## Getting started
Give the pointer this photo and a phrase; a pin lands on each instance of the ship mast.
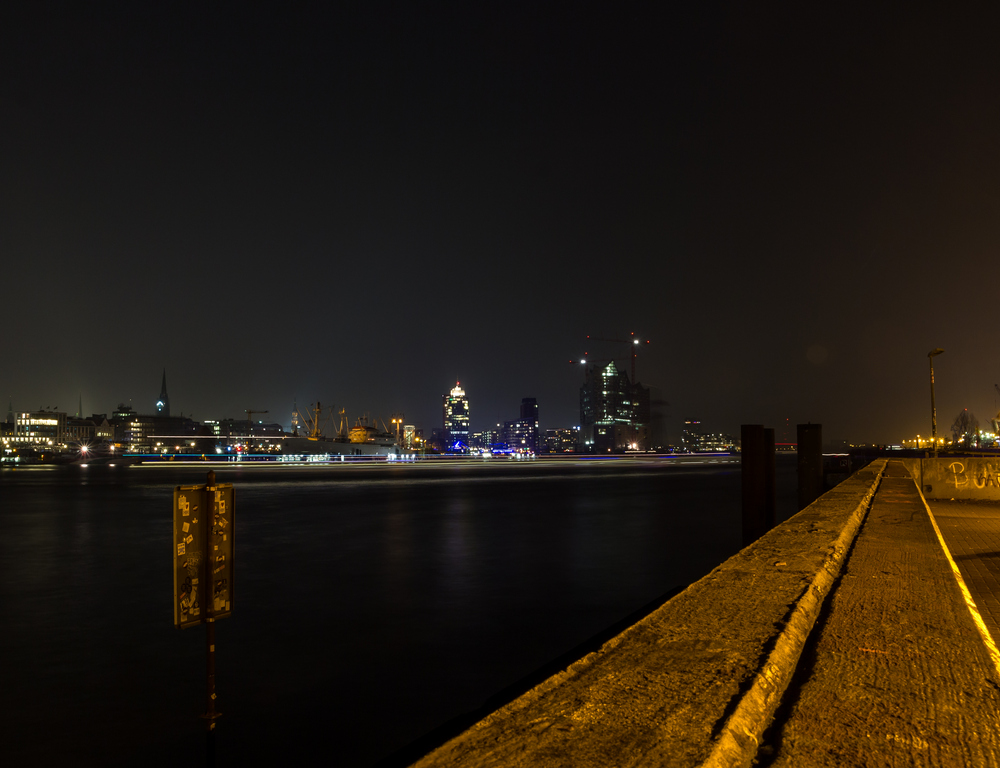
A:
(313, 421)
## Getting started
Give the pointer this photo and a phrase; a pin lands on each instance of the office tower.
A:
(522, 435)
(455, 406)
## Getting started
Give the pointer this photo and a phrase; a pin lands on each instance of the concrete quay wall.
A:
(697, 681)
(973, 478)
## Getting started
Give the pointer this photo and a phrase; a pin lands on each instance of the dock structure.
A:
(860, 632)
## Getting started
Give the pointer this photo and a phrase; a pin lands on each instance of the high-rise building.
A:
(455, 406)
(529, 410)
(691, 436)
(163, 404)
(614, 413)
(521, 435)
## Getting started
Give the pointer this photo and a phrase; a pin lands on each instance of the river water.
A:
(372, 605)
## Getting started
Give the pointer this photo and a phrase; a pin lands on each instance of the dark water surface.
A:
(371, 605)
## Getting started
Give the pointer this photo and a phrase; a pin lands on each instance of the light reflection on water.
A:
(368, 611)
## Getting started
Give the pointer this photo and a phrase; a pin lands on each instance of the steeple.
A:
(163, 404)
(79, 408)
(10, 411)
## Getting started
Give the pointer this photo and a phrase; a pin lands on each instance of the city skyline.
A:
(790, 204)
(615, 417)
(661, 412)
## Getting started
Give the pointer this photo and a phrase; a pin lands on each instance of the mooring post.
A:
(770, 489)
(810, 439)
(753, 471)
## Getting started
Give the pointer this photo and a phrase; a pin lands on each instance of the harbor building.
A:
(694, 440)
(564, 440)
(146, 433)
(40, 429)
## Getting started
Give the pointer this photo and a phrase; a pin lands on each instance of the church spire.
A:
(163, 404)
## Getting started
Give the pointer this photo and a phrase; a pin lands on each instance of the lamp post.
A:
(397, 423)
(930, 359)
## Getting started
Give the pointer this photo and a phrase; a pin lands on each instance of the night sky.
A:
(794, 204)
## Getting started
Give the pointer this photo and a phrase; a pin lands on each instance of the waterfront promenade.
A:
(842, 637)
(897, 672)
(971, 530)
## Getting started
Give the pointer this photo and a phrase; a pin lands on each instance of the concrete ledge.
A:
(697, 681)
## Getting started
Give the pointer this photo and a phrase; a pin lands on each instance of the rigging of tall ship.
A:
(363, 439)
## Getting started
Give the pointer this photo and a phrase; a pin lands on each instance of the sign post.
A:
(204, 572)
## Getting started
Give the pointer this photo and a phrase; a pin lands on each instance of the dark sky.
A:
(793, 204)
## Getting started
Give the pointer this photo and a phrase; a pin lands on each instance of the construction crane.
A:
(633, 343)
(996, 419)
(250, 420)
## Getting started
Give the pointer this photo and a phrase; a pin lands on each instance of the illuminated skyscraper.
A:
(614, 413)
(456, 418)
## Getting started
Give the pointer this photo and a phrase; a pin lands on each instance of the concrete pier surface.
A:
(896, 672)
(842, 637)
(971, 530)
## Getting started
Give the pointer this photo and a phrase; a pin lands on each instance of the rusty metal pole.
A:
(930, 359)
(209, 596)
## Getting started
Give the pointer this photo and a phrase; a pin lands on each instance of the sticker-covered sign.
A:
(203, 546)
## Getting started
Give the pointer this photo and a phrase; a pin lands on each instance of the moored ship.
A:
(361, 440)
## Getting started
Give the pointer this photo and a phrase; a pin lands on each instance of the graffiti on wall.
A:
(984, 475)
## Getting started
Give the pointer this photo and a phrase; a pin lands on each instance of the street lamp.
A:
(397, 423)
(930, 359)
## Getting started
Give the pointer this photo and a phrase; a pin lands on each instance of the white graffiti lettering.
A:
(958, 474)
